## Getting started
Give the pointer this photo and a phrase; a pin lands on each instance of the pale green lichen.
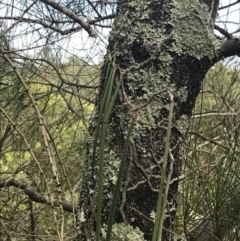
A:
(111, 160)
(153, 215)
(193, 29)
(182, 94)
(81, 216)
(111, 167)
(124, 232)
(182, 124)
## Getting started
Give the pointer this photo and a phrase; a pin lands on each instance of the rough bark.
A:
(159, 47)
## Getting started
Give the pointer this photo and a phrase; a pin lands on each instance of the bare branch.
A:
(213, 114)
(111, 16)
(34, 195)
(14, 24)
(208, 139)
(45, 25)
(228, 48)
(94, 8)
(223, 32)
(72, 15)
(229, 5)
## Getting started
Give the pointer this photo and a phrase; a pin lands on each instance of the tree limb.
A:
(92, 32)
(228, 48)
(34, 195)
(223, 32)
(110, 16)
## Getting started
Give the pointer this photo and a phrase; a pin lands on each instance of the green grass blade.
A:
(158, 225)
(107, 109)
(118, 184)
(112, 101)
(101, 111)
(100, 181)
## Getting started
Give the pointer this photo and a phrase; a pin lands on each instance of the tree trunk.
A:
(159, 47)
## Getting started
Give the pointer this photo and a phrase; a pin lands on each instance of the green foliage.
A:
(64, 96)
(210, 191)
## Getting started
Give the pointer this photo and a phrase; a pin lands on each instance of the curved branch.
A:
(229, 5)
(223, 32)
(72, 15)
(34, 195)
(45, 25)
(209, 140)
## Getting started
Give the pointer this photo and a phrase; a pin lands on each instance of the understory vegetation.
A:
(52, 72)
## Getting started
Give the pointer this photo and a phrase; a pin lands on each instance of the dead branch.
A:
(34, 195)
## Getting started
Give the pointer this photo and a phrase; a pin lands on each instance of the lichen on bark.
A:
(124, 232)
(193, 33)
